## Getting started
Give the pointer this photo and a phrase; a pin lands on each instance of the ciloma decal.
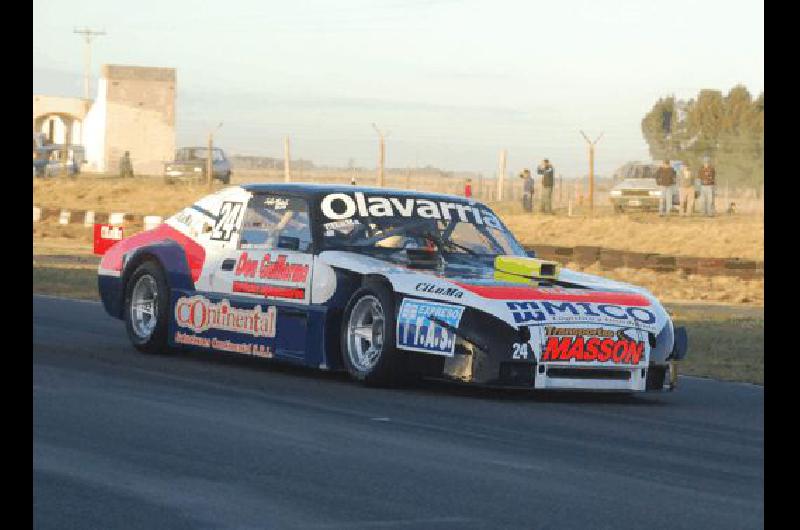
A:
(618, 351)
(527, 312)
(425, 287)
(201, 314)
(340, 206)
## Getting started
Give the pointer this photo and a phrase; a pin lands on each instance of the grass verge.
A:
(67, 282)
(725, 342)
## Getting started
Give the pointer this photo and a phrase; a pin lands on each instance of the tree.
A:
(728, 129)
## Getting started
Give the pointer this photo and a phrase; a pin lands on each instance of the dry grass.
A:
(682, 287)
(738, 236)
(724, 343)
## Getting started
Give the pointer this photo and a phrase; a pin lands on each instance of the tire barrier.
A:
(613, 259)
(584, 255)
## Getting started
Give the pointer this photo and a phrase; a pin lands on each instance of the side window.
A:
(273, 222)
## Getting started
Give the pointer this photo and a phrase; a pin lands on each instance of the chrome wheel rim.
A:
(365, 333)
(144, 307)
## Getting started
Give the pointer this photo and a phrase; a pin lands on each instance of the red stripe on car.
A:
(195, 254)
(513, 292)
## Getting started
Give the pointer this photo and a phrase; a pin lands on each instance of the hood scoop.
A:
(525, 270)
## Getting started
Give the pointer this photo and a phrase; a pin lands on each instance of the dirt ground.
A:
(737, 236)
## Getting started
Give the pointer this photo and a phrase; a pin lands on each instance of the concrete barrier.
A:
(586, 255)
(151, 221)
(581, 254)
(660, 263)
(611, 259)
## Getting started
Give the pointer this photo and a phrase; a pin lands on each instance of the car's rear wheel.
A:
(368, 336)
(619, 209)
(147, 308)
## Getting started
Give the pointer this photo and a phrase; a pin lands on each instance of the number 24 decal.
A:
(228, 220)
(520, 350)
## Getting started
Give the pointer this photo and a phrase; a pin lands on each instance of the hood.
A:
(636, 184)
(574, 298)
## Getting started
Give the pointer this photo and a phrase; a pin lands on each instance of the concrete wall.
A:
(44, 105)
(139, 116)
(94, 131)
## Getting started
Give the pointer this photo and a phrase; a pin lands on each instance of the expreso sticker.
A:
(420, 326)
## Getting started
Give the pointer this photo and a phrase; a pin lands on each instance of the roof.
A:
(320, 189)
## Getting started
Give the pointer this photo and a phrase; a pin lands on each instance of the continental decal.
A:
(246, 348)
(618, 351)
(201, 314)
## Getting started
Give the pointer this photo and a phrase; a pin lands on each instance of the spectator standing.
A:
(527, 195)
(708, 180)
(547, 171)
(468, 188)
(665, 179)
(686, 191)
(125, 165)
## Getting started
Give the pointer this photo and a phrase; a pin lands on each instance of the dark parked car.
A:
(49, 160)
(190, 164)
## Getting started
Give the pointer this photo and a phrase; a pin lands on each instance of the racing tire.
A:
(146, 308)
(619, 209)
(226, 179)
(368, 337)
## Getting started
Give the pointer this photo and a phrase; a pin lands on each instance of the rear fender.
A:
(172, 259)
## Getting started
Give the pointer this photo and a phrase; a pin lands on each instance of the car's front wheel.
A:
(368, 336)
(147, 308)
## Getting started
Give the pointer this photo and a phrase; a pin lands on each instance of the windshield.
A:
(386, 224)
(188, 154)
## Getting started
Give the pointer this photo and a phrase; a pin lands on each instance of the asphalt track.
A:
(200, 440)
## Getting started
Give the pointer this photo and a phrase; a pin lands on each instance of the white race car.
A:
(383, 284)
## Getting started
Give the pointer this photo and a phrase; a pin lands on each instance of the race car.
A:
(384, 284)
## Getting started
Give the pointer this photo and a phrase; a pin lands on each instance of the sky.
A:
(452, 81)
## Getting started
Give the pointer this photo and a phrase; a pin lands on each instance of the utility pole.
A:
(381, 154)
(501, 173)
(591, 168)
(287, 174)
(88, 35)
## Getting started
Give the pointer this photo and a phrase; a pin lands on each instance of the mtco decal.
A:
(534, 312)
(340, 206)
(201, 314)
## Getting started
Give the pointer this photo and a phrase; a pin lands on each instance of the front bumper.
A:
(642, 202)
